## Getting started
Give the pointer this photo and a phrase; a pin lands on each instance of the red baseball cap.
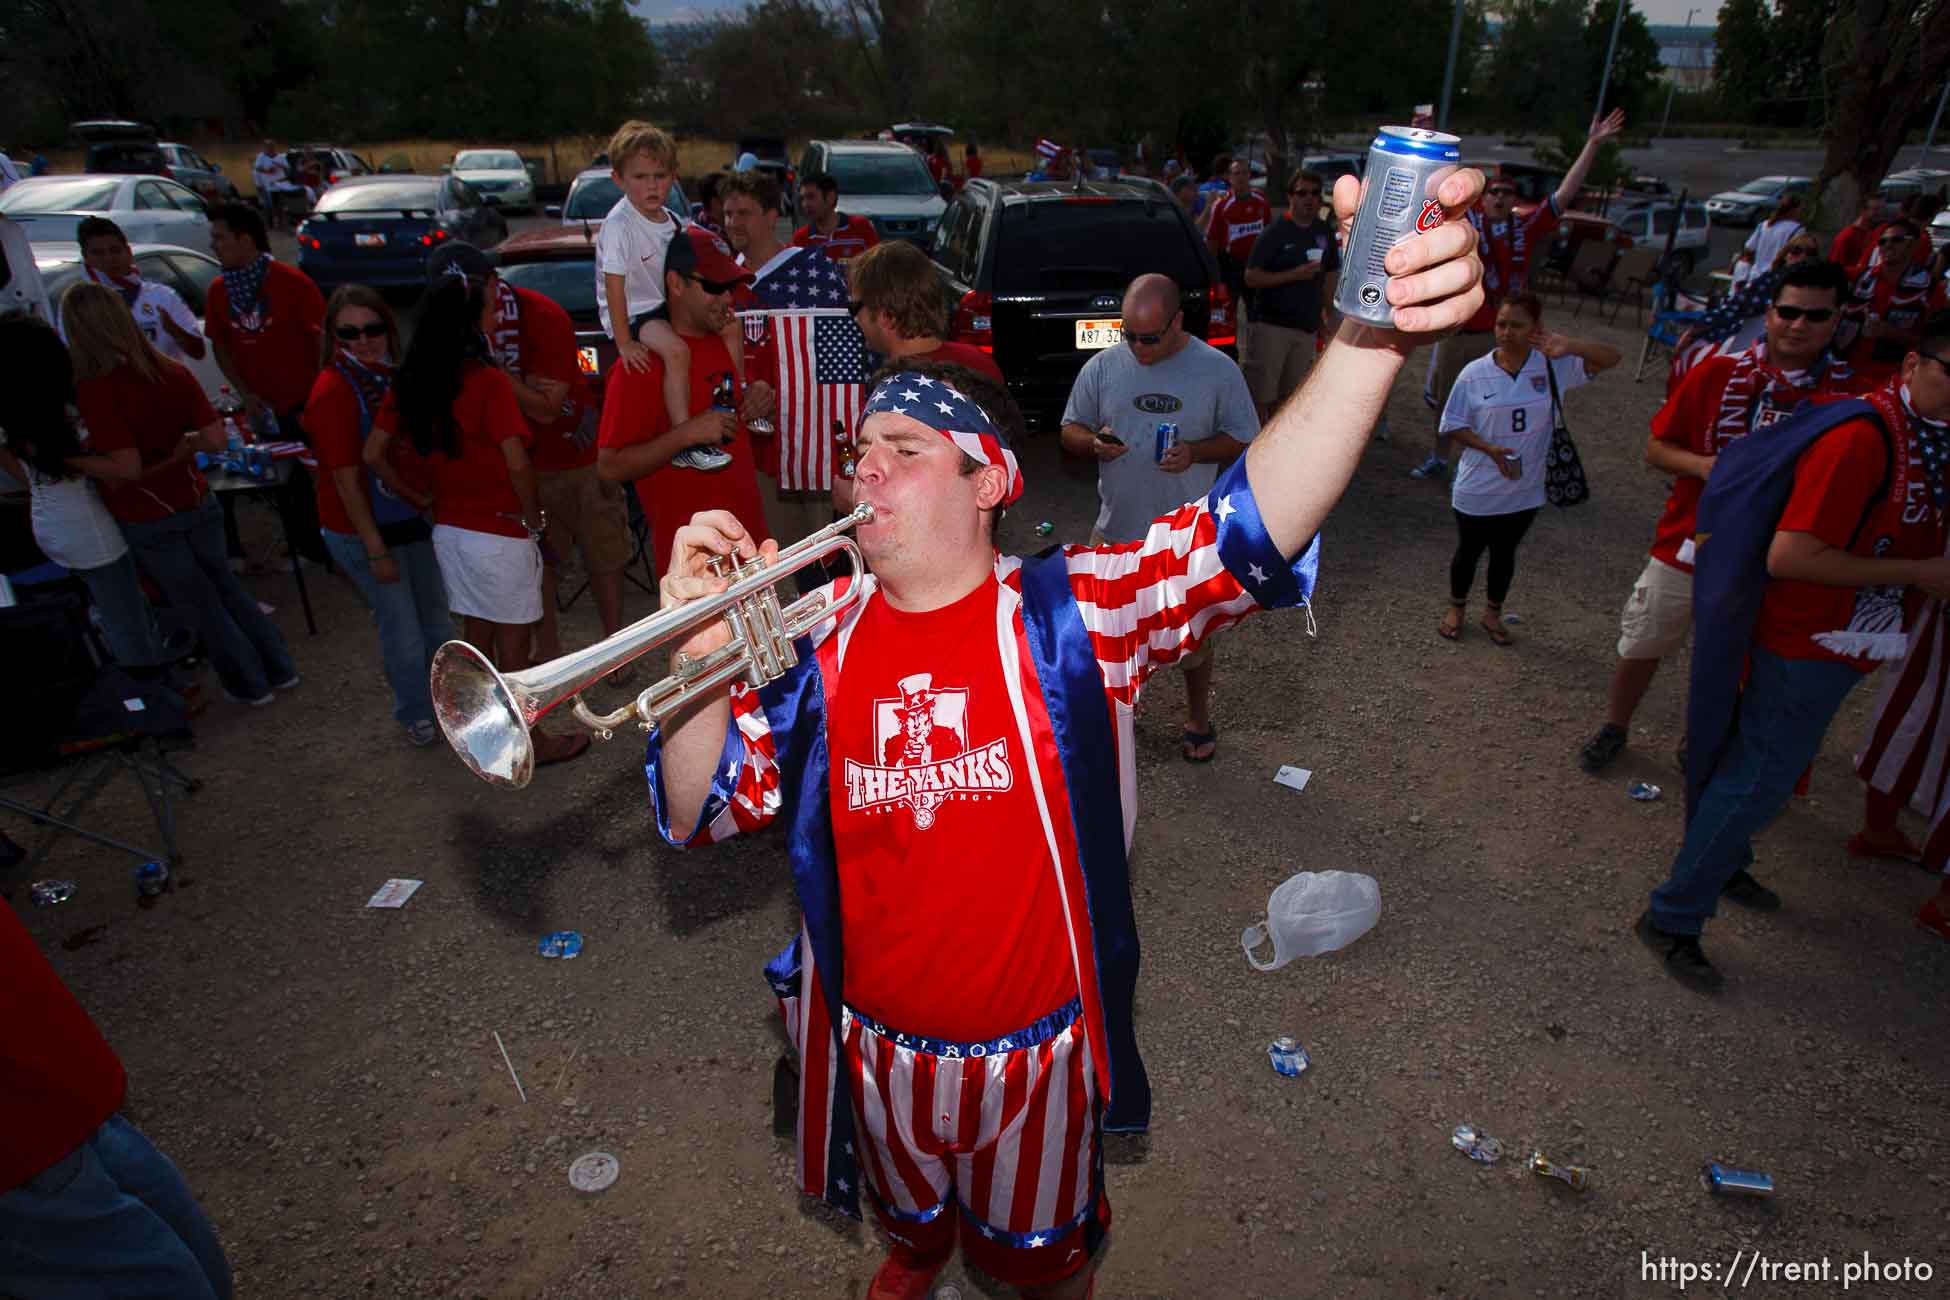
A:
(697, 252)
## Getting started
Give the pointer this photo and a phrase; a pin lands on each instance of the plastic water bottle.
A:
(1476, 1144)
(232, 410)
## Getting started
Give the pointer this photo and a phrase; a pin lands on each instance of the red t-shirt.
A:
(123, 410)
(952, 914)
(1833, 485)
(633, 412)
(1506, 248)
(332, 423)
(852, 235)
(59, 1078)
(960, 354)
(1903, 302)
(1699, 418)
(474, 489)
(548, 351)
(1237, 224)
(1853, 243)
(276, 347)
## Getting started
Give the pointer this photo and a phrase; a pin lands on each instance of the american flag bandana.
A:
(952, 414)
(1048, 150)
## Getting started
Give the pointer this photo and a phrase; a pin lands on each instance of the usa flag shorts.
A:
(997, 1139)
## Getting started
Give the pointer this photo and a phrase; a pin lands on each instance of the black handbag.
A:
(1564, 483)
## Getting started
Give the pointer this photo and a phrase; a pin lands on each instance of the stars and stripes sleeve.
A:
(1196, 571)
(744, 793)
(1731, 312)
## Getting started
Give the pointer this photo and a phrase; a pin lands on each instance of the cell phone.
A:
(1110, 438)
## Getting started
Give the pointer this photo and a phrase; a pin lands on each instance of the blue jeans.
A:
(113, 1217)
(184, 554)
(127, 621)
(1784, 712)
(411, 614)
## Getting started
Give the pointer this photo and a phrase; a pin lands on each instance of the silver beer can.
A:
(1406, 165)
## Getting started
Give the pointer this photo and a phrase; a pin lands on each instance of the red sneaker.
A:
(903, 1277)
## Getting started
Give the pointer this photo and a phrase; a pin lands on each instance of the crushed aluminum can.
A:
(1643, 791)
(151, 879)
(594, 1171)
(1045, 528)
(1476, 1144)
(565, 944)
(1723, 1180)
(49, 892)
(1288, 1057)
(1577, 1177)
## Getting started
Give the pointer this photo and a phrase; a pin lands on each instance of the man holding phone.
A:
(1159, 375)
(1290, 274)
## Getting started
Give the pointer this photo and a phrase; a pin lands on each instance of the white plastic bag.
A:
(1312, 913)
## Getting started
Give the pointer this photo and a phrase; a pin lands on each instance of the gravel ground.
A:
(327, 1075)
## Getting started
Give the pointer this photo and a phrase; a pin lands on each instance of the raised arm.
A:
(1303, 459)
(1602, 129)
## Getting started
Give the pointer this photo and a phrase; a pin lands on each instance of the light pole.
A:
(1449, 71)
(1604, 83)
(1935, 117)
(1667, 117)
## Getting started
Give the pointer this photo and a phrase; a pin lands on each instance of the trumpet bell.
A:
(481, 716)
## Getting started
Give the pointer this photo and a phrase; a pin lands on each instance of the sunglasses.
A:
(715, 288)
(1309, 194)
(1797, 252)
(1503, 191)
(1149, 340)
(1931, 356)
(353, 333)
(1813, 315)
(1891, 241)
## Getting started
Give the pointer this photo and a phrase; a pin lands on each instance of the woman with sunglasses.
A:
(147, 418)
(459, 414)
(379, 539)
(1500, 410)
(1888, 304)
(1737, 321)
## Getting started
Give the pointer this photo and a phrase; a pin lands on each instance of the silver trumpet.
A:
(486, 714)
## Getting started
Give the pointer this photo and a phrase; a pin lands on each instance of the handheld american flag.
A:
(822, 359)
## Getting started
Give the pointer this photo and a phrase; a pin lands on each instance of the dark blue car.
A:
(378, 230)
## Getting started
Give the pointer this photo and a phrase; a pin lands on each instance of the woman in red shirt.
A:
(147, 414)
(381, 541)
(467, 432)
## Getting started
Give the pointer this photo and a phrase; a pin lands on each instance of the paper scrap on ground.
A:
(394, 893)
(134, 704)
(1294, 778)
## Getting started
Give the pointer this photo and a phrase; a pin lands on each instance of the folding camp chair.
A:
(1672, 314)
(640, 532)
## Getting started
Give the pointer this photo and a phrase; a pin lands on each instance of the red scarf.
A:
(130, 289)
(1757, 393)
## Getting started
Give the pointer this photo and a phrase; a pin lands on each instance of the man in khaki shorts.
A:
(1722, 399)
(534, 341)
(1290, 275)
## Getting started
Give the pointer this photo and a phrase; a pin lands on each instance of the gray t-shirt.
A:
(1198, 388)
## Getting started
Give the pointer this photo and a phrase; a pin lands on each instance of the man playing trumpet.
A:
(953, 757)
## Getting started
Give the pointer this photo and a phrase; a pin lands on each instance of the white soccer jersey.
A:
(1511, 411)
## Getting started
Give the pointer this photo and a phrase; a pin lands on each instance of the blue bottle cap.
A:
(565, 944)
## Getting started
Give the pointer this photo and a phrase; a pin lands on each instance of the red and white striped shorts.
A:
(1002, 1134)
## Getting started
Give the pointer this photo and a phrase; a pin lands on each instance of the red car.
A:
(559, 262)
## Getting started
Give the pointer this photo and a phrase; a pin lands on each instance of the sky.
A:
(659, 11)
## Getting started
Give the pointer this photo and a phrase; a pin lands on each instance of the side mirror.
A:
(552, 210)
(446, 168)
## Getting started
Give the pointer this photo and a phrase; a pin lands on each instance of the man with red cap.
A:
(636, 443)
(1002, 850)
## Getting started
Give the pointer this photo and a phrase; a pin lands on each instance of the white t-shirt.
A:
(151, 305)
(71, 525)
(268, 173)
(1769, 238)
(632, 246)
(1513, 412)
(9, 173)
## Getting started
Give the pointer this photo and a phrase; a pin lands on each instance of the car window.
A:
(195, 275)
(379, 196)
(1766, 185)
(592, 199)
(1696, 214)
(182, 198)
(155, 266)
(77, 195)
(1069, 245)
(487, 160)
(150, 195)
(1662, 221)
(570, 283)
(881, 173)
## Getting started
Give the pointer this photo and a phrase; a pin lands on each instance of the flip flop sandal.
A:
(1191, 740)
(1448, 633)
(1497, 632)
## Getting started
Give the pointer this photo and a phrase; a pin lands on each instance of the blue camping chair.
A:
(1672, 314)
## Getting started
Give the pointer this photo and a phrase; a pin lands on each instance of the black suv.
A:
(1038, 269)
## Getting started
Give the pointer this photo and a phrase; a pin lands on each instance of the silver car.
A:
(882, 180)
(149, 209)
(1754, 202)
(498, 176)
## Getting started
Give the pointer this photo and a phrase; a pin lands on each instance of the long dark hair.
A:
(38, 379)
(447, 340)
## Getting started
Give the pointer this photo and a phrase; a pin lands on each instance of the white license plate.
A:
(586, 359)
(1094, 334)
(369, 241)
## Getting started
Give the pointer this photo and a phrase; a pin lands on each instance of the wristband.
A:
(374, 559)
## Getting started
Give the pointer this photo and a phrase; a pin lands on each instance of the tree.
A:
(1634, 68)
(1800, 32)
(1886, 61)
(1539, 62)
(1743, 58)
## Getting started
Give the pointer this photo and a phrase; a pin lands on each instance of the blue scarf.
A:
(243, 289)
(369, 385)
